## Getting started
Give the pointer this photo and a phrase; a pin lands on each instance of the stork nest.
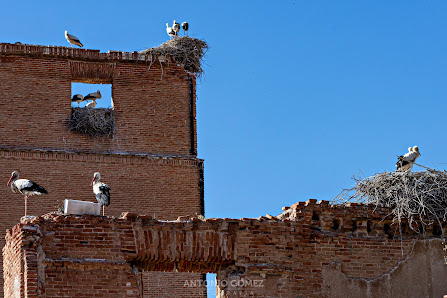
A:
(418, 197)
(92, 122)
(186, 51)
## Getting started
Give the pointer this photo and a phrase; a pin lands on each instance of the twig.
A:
(418, 197)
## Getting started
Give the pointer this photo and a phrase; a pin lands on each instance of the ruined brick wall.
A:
(150, 162)
(83, 257)
(308, 253)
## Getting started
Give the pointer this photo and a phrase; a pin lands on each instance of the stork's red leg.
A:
(26, 199)
(102, 210)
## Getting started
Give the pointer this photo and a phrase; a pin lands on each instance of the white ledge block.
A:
(81, 207)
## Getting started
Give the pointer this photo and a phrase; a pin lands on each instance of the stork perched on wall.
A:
(101, 191)
(176, 27)
(78, 98)
(170, 31)
(185, 27)
(73, 40)
(406, 162)
(25, 187)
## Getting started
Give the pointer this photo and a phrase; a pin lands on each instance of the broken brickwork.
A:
(311, 250)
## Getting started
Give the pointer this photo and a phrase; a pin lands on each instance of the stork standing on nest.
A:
(78, 98)
(25, 187)
(101, 191)
(185, 27)
(170, 31)
(406, 162)
(176, 27)
(91, 105)
(93, 96)
(73, 40)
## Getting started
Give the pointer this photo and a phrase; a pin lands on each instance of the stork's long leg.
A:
(102, 210)
(26, 200)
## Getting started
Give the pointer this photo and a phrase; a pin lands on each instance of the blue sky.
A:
(297, 96)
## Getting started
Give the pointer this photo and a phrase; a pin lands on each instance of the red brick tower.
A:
(150, 162)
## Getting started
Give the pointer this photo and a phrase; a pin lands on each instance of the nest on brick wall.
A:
(92, 122)
(417, 197)
(186, 51)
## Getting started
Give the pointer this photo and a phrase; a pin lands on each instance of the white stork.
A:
(185, 27)
(78, 98)
(91, 105)
(170, 31)
(406, 162)
(101, 191)
(25, 187)
(73, 40)
(176, 27)
(93, 96)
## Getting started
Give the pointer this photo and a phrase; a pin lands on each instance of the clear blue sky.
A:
(297, 96)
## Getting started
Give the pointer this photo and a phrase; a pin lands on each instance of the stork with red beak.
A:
(25, 187)
(101, 191)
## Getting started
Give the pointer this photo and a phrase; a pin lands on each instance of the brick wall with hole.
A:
(152, 105)
(150, 162)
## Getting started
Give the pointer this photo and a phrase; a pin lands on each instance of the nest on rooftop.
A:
(186, 51)
(92, 122)
(420, 198)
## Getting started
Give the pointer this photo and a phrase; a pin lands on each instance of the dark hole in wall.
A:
(403, 228)
(315, 216)
(368, 226)
(387, 230)
(354, 226)
(336, 224)
(437, 230)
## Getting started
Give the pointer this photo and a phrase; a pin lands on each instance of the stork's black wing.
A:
(103, 197)
(33, 186)
(401, 162)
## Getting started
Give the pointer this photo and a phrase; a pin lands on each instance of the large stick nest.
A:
(418, 197)
(92, 122)
(186, 51)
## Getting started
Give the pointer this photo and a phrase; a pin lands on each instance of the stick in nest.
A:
(186, 51)
(418, 197)
(92, 122)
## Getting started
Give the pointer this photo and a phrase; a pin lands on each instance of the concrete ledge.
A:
(81, 207)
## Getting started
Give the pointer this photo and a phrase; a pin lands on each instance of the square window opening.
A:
(91, 95)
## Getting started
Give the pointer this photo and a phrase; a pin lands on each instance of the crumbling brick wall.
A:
(150, 162)
(302, 254)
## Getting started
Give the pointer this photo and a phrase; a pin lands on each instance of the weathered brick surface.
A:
(152, 104)
(151, 161)
(307, 254)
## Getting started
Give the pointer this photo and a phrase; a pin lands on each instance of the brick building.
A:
(150, 162)
(311, 250)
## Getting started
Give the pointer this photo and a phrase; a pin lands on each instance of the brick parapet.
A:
(75, 53)
(355, 220)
